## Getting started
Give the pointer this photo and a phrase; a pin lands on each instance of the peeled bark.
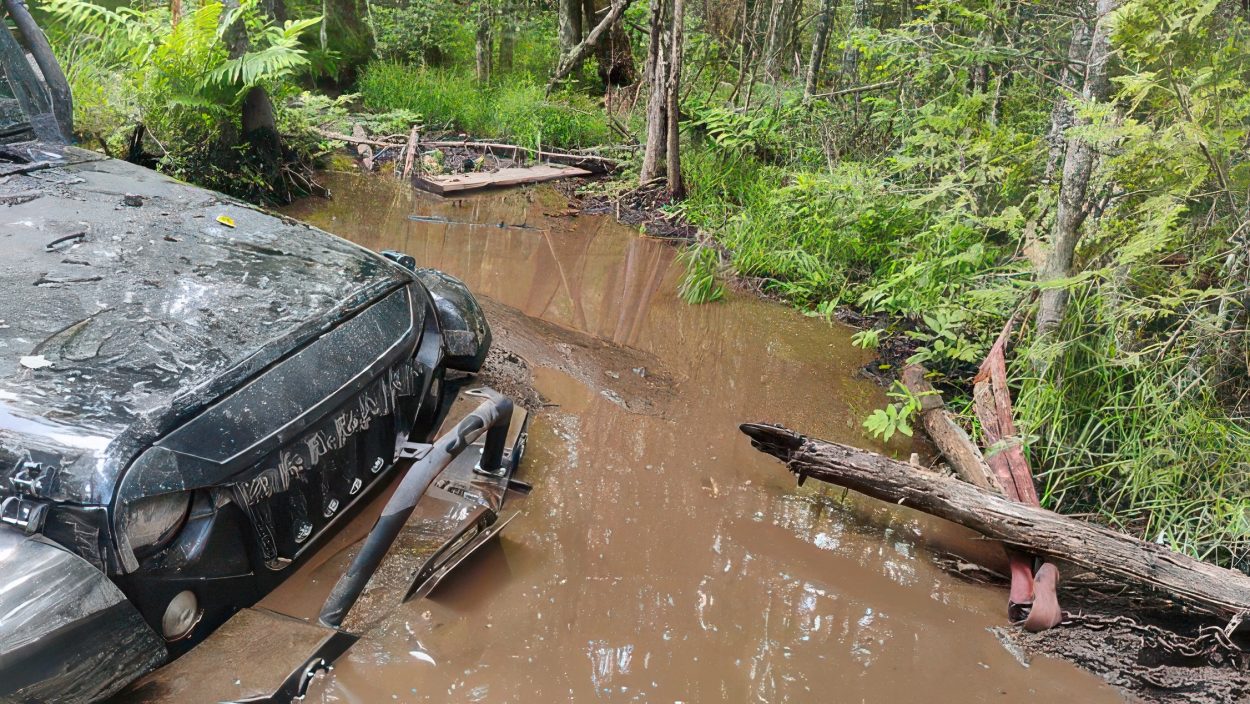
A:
(949, 436)
(820, 42)
(991, 398)
(1215, 590)
(1078, 168)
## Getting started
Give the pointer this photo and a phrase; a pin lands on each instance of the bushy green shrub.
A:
(515, 109)
(419, 32)
(131, 67)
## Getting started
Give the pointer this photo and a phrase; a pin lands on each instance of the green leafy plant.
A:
(178, 80)
(869, 339)
(896, 417)
(701, 284)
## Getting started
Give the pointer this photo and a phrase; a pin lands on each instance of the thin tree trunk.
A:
(676, 187)
(1078, 167)
(507, 41)
(860, 18)
(483, 49)
(771, 48)
(657, 79)
(820, 41)
(1062, 114)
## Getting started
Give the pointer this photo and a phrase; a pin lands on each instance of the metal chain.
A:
(1212, 643)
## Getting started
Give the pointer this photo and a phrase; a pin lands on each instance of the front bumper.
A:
(67, 633)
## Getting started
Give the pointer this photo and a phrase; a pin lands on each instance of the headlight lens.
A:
(151, 522)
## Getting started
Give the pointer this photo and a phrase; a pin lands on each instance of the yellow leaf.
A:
(225, 220)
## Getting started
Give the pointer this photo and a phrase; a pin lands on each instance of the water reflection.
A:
(660, 558)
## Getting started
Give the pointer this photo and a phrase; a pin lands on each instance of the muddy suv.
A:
(192, 393)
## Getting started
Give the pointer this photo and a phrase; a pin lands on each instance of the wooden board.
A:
(471, 181)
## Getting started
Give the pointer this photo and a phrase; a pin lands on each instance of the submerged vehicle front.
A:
(192, 393)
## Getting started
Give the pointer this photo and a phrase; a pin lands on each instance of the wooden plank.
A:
(1221, 592)
(474, 180)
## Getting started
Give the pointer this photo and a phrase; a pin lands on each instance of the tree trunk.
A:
(1218, 591)
(570, 18)
(820, 41)
(657, 102)
(1062, 114)
(771, 42)
(574, 58)
(1078, 167)
(483, 48)
(507, 43)
(676, 187)
(860, 18)
(257, 118)
(616, 57)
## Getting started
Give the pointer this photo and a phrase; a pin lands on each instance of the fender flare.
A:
(466, 334)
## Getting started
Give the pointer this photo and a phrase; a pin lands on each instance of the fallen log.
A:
(340, 137)
(363, 150)
(596, 164)
(1220, 592)
(590, 162)
(951, 439)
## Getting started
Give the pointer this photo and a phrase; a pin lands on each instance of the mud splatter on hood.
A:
(129, 300)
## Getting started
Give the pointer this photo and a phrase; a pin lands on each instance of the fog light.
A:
(180, 616)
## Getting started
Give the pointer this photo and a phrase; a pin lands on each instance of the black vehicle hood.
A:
(129, 302)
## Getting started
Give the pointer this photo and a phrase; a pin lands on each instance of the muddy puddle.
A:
(660, 558)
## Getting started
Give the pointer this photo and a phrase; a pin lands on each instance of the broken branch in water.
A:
(1221, 592)
(949, 436)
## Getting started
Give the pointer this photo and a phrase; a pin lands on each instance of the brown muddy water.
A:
(660, 558)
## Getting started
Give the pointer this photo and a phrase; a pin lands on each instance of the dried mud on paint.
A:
(659, 557)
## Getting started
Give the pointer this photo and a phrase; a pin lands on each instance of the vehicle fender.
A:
(466, 334)
(67, 633)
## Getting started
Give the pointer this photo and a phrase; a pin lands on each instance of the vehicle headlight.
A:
(152, 504)
(151, 522)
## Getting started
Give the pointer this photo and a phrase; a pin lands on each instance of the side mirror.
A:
(405, 260)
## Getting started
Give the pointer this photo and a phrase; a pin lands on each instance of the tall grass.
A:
(1126, 436)
(514, 107)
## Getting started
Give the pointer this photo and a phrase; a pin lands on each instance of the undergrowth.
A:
(513, 108)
